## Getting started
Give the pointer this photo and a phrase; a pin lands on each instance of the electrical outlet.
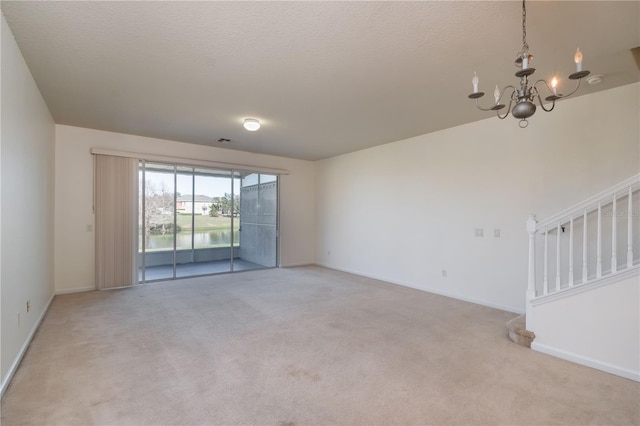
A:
(28, 305)
(444, 273)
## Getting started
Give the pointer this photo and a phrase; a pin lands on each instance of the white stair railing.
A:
(598, 258)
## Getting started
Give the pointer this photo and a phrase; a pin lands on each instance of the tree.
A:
(158, 209)
(214, 209)
(224, 206)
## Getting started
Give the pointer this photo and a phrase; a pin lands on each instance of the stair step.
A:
(519, 333)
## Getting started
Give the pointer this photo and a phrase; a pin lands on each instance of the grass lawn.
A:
(206, 223)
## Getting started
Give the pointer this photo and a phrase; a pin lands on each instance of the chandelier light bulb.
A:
(496, 94)
(578, 60)
(475, 80)
(251, 124)
(554, 86)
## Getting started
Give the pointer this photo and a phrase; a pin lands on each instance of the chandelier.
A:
(525, 96)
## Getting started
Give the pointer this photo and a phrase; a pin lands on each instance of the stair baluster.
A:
(599, 243)
(585, 273)
(545, 278)
(629, 232)
(571, 251)
(558, 257)
(614, 239)
(531, 278)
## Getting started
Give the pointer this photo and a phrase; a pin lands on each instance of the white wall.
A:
(74, 245)
(26, 189)
(406, 211)
(599, 328)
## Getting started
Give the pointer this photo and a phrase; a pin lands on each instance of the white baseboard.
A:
(293, 265)
(74, 290)
(23, 350)
(586, 361)
(515, 310)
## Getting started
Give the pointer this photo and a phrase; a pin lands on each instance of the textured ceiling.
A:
(325, 78)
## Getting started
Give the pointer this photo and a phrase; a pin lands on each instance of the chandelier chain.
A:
(525, 46)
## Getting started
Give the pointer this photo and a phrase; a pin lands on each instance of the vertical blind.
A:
(116, 192)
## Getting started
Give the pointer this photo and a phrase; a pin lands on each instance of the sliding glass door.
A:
(206, 223)
(259, 220)
(158, 222)
(199, 221)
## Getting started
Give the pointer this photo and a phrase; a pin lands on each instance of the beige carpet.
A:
(296, 346)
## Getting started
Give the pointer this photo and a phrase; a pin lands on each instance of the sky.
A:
(212, 186)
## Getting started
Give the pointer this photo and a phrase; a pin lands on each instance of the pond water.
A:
(201, 239)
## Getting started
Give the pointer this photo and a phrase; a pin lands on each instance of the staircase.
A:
(584, 264)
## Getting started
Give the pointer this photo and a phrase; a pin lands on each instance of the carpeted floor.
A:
(296, 346)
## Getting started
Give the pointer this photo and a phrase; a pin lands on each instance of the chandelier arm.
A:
(504, 90)
(551, 90)
(481, 108)
(553, 104)
(506, 114)
(498, 106)
(574, 90)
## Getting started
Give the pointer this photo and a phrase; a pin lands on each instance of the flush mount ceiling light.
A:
(525, 96)
(251, 124)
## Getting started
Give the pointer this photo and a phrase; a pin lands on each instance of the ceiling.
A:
(325, 78)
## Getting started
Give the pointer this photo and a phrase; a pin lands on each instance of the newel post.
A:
(531, 282)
